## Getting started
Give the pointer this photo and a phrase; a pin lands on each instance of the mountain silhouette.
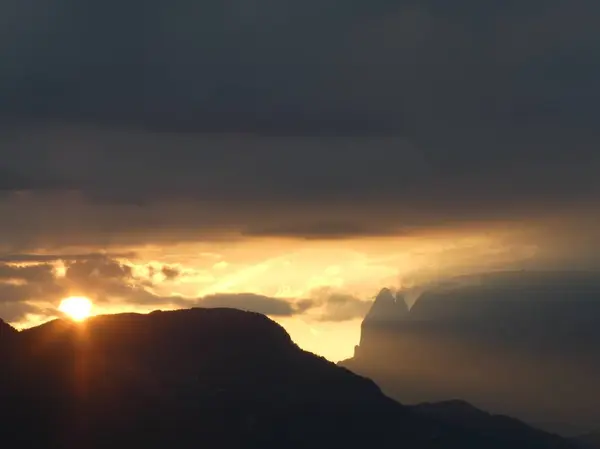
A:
(387, 307)
(6, 329)
(7, 335)
(465, 415)
(523, 344)
(590, 440)
(204, 378)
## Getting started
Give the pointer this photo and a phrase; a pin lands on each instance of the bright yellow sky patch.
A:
(297, 270)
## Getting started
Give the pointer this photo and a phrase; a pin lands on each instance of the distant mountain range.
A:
(518, 343)
(216, 378)
(590, 440)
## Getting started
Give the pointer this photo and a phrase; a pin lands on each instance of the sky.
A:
(291, 158)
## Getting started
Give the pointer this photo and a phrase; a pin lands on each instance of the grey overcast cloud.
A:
(128, 124)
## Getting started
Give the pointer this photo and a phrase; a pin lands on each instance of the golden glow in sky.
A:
(78, 308)
(285, 270)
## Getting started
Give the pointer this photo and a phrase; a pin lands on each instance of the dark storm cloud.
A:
(299, 67)
(11, 181)
(419, 113)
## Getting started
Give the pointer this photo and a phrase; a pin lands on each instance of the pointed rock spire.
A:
(387, 307)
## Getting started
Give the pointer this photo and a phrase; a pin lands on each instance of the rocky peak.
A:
(387, 307)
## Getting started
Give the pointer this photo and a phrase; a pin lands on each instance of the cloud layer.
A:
(37, 288)
(316, 119)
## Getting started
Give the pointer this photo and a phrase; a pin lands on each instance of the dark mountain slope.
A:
(8, 335)
(217, 378)
(523, 344)
(590, 441)
(466, 416)
(6, 330)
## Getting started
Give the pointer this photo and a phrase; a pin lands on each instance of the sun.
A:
(78, 308)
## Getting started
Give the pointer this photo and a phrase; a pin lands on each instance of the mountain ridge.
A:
(6, 328)
(590, 440)
(217, 377)
(491, 339)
